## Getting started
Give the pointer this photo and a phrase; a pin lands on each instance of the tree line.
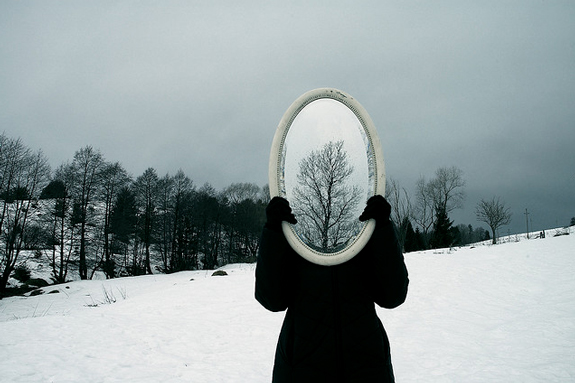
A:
(90, 215)
(325, 198)
(429, 208)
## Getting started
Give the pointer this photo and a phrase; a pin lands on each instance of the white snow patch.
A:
(501, 313)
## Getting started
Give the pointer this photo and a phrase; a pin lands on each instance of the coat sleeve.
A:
(390, 280)
(274, 271)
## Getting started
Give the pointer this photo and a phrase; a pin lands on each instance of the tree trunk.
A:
(4, 280)
(83, 268)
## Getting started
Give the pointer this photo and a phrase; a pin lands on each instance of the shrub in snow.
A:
(38, 282)
(22, 273)
(219, 273)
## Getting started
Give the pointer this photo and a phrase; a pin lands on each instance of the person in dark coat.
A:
(331, 332)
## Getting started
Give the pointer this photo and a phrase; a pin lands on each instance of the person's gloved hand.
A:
(377, 208)
(278, 210)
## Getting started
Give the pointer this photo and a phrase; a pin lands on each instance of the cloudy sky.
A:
(487, 86)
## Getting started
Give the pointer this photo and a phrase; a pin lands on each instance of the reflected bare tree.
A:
(324, 200)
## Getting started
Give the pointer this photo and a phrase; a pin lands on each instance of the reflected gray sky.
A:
(486, 86)
(317, 124)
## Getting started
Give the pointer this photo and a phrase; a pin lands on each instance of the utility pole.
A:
(527, 222)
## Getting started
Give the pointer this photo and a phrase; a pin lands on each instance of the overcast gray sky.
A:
(487, 86)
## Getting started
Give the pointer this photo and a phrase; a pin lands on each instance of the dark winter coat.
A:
(331, 332)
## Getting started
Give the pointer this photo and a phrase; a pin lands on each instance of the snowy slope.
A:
(502, 313)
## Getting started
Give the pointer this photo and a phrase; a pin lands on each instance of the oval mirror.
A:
(326, 160)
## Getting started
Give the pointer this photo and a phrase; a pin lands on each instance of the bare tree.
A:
(86, 170)
(444, 193)
(208, 208)
(148, 194)
(238, 192)
(249, 218)
(243, 220)
(114, 177)
(423, 212)
(265, 194)
(64, 227)
(447, 189)
(23, 175)
(182, 257)
(324, 202)
(401, 208)
(494, 213)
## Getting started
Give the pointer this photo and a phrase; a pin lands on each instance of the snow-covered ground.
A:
(503, 313)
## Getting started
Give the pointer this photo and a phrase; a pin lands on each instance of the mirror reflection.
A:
(326, 174)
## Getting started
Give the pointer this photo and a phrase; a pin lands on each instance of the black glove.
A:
(278, 210)
(377, 208)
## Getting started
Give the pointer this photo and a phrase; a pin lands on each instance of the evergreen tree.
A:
(409, 244)
(442, 233)
(249, 222)
(209, 210)
(123, 221)
(54, 190)
(114, 178)
(456, 238)
(419, 240)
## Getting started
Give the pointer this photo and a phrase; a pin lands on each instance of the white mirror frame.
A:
(276, 173)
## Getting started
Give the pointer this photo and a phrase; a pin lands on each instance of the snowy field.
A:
(503, 313)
